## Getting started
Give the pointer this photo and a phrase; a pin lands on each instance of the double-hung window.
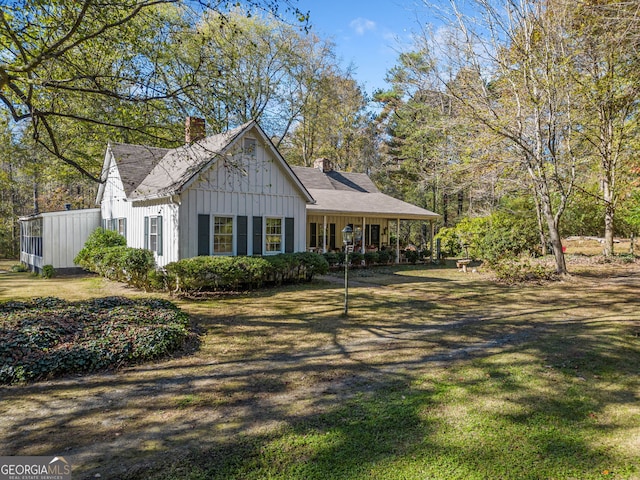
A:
(273, 235)
(153, 234)
(223, 235)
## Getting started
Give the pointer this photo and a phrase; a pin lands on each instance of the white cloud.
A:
(361, 25)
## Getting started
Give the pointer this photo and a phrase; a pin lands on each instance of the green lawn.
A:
(435, 374)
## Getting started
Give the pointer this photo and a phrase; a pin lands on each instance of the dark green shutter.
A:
(313, 234)
(241, 246)
(203, 234)
(159, 250)
(125, 227)
(257, 235)
(146, 233)
(288, 234)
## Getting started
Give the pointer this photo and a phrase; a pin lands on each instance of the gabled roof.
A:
(181, 164)
(149, 172)
(355, 194)
(134, 163)
(314, 178)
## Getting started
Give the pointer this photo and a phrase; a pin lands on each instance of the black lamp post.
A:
(347, 239)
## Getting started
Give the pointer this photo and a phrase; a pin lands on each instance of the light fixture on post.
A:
(347, 240)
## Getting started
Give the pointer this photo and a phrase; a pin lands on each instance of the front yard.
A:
(435, 374)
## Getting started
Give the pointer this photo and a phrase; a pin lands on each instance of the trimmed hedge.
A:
(232, 273)
(47, 337)
(106, 253)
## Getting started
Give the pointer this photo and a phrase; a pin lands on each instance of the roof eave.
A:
(386, 215)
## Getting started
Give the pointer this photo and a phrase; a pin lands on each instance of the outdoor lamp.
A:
(347, 235)
(347, 239)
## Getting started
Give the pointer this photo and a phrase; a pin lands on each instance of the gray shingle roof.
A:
(355, 194)
(135, 162)
(333, 180)
(180, 164)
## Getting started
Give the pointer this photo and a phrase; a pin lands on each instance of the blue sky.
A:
(367, 33)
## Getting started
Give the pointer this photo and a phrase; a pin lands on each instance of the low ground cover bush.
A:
(521, 270)
(47, 337)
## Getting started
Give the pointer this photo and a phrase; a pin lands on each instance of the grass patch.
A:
(435, 374)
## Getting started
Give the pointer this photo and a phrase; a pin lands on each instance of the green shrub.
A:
(206, 273)
(99, 239)
(450, 241)
(19, 268)
(48, 337)
(332, 258)
(412, 256)
(106, 253)
(384, 256)
(48, 271)
(371, 257)
(313, 264)
(498, 236)
(356, 258)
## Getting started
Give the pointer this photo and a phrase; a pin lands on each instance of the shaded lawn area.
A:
(435, 374)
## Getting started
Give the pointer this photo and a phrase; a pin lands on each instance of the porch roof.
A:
(354, 194)
(378, 205)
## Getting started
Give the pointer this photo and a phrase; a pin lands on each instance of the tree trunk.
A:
(608, 229)
(543, 238)
(554, 232)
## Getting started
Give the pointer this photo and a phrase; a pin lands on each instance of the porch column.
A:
(398, 241)
(431, 240)
(364, 235)
(324, 234)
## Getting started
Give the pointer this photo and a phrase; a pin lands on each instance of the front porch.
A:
(370, 234)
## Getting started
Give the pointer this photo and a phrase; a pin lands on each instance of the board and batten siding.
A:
(63, 236)
(115, 205)
(243, 186)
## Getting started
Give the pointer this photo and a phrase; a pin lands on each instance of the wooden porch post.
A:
(363, 247)
(324, 235)
(431, 240)
(398, 241)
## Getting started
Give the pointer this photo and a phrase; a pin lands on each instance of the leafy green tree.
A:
(59, 56)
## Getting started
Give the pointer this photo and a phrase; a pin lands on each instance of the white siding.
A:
(135, 226)
(63, 236)
(242, 186)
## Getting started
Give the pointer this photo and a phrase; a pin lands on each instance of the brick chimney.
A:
(323, 164)
(194, 129)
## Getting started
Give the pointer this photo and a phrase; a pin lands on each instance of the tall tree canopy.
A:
(70, 63)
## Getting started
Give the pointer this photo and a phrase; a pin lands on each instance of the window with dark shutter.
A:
(332, 236)
(241, 239)
(289, 236)
(313, 234)
(203, 235)
(257, 235)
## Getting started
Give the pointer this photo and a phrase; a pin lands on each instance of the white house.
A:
(227, 194)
